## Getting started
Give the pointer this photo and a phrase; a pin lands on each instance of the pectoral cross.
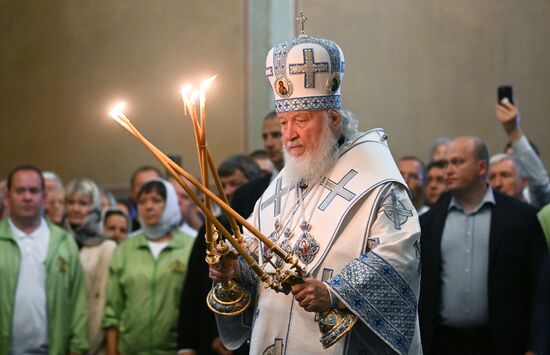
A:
(300, 20)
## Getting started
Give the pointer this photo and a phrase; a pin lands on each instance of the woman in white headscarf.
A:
(83, 206)
(146, 277)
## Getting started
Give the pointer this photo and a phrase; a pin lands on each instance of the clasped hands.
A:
(312, 295)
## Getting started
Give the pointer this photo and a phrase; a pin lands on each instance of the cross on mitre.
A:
(309, 68)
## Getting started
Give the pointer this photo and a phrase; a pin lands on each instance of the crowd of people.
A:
(447, 255)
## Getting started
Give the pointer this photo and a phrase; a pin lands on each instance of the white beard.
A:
(311, 167)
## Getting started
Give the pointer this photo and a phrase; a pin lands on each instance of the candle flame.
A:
(185, 97)
(117, 110)
(206, 83)
(194, 95)
(118, 115)
(185, 91)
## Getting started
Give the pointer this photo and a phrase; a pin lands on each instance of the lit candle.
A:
(193, 102)
(184, 95)
(188, 109)
(117, 115)
(205, 158)
(202, 100)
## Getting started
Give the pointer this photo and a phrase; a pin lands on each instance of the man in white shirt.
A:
(43, 308)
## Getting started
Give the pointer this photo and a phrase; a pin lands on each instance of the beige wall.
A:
(64, 63)
(269, 22)
(423, 69)
(420, 69)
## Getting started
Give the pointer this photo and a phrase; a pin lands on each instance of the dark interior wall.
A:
(424, 69)
(419, 69)
(64, 63)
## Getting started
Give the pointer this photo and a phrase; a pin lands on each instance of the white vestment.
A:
(358, 231)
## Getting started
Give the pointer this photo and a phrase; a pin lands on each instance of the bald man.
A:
(481, 252)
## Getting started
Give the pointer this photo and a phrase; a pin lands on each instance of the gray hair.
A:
(84, 187)
(520, 169)
(51, 176)
(349, 124)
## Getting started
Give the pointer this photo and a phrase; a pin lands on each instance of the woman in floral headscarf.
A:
(146, 277)
(82, 204)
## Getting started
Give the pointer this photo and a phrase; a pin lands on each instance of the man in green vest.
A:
(42, 298)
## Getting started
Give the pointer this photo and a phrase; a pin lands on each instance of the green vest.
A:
(65, 292)
(143, 294)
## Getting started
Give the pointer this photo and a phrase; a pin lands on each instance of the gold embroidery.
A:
(61, 264)
(177, 266)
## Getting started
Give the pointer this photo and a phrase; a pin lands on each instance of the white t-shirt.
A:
(156, 247)
(30, 316)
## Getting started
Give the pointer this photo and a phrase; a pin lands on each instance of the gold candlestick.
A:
(175, 170)
(228, 298)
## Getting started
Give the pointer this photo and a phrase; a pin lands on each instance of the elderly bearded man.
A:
(342, 208)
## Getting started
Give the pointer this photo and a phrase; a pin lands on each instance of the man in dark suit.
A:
(481, 252)
(541, 314)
